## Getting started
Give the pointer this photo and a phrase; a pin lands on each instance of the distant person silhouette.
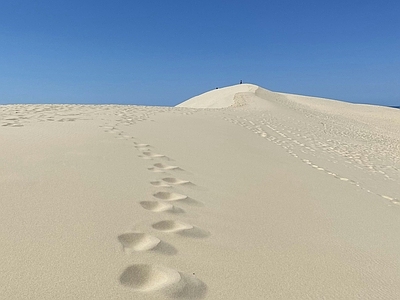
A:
(241, 82)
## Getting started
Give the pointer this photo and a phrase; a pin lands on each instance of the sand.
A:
(268, 196)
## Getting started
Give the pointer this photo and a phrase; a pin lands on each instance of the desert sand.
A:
(238, 193)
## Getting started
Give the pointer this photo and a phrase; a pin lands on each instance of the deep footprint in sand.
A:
(156, 170)
(174, 284)
(160, 184)
(161, 168)
(171, 226)
(137, 145)
(171, 197)
(166, 196)
(176, 181)
(138, 241)
(157, 206)
(154, 155)
(181, 228)
(145, 278)
(143, 147)
(166, 167)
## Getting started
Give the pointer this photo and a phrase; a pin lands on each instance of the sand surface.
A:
(269, 196)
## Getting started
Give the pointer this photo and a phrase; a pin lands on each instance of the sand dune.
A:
(239, 193)
(219, 98)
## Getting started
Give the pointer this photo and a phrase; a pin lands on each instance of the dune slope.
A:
(269, 196)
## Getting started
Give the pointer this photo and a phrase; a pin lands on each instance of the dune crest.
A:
(218, 98)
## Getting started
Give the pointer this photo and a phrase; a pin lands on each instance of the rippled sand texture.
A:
(239, 193)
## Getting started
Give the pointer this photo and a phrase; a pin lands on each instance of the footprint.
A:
(143, 147)
(176, 181)
(155, 170)
(170, 197)
(138, 241)
(157, 206)
(144, 157)
(161, 168)
(160, 184)
(174, 284)
(145, 278)
(180, 228)
(154, 155)
(189, 287)
(166, 196)
(166, 167)
(171, 226)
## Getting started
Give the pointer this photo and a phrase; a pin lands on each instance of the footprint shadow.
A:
(156, 156)
(165, 248)
(164, 167)
(181, 228)
(138, 241)
(176, 181)
(160, 184)
(175, 197)
(192, 202)
(195, 233)
(189, 287)
(172, 181)
(158, 207)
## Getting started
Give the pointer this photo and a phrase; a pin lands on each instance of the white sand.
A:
(219, 98)
(271, 196)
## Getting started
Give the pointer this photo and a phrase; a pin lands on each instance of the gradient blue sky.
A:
(164, 52)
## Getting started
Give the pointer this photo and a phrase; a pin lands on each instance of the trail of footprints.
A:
(301, 144)
(19, 115)
(155, 278)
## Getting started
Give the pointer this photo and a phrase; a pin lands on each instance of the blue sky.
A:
(164, 52)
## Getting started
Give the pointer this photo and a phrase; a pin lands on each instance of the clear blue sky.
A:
(163, 52)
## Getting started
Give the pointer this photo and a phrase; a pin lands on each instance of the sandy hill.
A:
(219, 98)
(253, 96)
